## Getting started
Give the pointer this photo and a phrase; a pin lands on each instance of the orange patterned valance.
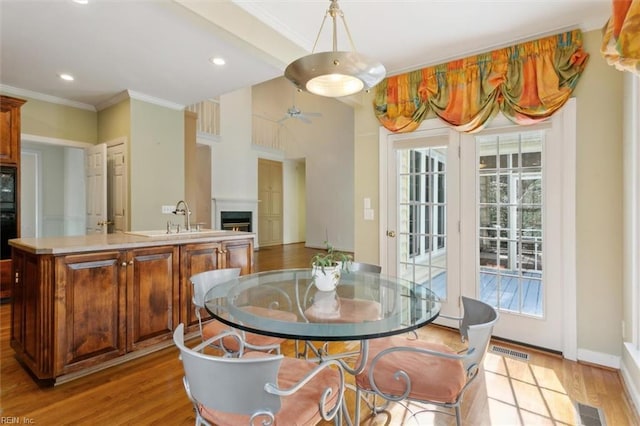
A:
(528, 82)
(621, 40)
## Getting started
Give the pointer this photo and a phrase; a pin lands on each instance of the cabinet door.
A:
(195, 258)
(152, 287)
(10, 129)
(238, 254)
(90, 307)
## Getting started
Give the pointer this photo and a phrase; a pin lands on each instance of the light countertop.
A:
(99, 242)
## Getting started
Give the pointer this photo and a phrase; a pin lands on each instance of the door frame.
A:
(433, 134)
(567, 116)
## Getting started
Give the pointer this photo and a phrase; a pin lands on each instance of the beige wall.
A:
(58, 121)
(598, 204)
(115, 121)
(326, 144)
(366, 166)
(156, 150)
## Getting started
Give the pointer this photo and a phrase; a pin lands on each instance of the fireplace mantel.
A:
(235, 205)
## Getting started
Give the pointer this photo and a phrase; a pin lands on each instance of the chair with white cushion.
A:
(401, 368)
(202, 283)
(259, 388)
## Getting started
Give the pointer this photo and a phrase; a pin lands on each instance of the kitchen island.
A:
(84, 303)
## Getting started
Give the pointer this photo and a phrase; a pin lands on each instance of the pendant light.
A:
(335, 73)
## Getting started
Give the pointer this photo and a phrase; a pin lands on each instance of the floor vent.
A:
(522, 356)
(589, 416)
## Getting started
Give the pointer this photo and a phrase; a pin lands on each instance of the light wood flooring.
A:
(149, 390)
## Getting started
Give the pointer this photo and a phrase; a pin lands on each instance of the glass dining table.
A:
(363, 306)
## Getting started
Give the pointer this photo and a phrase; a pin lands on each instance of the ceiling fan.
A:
(294, 112)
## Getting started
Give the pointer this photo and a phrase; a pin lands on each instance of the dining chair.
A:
(400, 368)
(205, 281)
(259, 388)
(365, 267)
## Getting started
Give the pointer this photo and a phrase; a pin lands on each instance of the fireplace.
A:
(235, 221)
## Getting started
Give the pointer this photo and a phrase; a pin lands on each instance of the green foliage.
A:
(331, 257)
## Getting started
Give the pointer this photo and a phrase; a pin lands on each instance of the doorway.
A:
(488, 216)
(52, 182)
(270, 207)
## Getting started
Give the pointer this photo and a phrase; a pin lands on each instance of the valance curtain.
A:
(621, 40)
(528, 82)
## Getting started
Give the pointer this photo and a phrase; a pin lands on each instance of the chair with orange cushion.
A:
(259, 388)
(401, 368)
(202, 283)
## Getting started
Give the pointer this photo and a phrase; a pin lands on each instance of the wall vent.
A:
(589, 416)
(522, 356)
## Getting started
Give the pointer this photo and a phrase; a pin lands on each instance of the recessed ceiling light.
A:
(81, 1)
(66, 77)
(216, 60)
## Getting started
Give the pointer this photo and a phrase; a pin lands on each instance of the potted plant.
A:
(327, 266)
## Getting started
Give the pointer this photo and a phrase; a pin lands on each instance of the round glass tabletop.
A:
(286, 303)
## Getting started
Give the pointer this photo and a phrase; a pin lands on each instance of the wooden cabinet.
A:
(79, 312)
(26, 323)
(152, 294)
(238, 254)
(90, 310)
(196, 258)
(10, 156)
(10, 130)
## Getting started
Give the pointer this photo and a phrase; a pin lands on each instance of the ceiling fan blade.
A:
(303, 118)
(285, 118)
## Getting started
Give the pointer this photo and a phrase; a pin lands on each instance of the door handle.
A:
(104, 222)
(391, 234)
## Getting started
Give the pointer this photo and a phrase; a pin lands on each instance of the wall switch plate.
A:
(368, 214)
(168, 209)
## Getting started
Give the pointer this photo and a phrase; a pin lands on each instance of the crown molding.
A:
(130, 94)
(46, 98)
(26, 137)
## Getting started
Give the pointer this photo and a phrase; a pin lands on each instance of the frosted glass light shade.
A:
(335, 73)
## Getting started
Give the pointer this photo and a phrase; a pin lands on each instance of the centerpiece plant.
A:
(327, 266)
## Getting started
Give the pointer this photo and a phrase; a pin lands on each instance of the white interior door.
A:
(422, 215)
(117, 204)
(95, 164)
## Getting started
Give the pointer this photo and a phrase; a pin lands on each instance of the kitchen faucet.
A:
(184, 211)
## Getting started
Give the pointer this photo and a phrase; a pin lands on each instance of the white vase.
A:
(327, 278)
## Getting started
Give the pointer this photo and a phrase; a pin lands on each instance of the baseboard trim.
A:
(599, 358)
(627, 377)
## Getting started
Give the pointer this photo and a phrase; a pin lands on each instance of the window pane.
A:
(510, 212)
(422, 214)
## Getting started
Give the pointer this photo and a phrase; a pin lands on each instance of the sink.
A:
(182, 233)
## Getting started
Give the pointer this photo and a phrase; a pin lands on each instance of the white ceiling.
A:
(160, 48)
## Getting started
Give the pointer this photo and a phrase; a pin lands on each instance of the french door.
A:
(489, 216)
(423, 211)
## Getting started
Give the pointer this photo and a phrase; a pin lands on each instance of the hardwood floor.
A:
(149, 390)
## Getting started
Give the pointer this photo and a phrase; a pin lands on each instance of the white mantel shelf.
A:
(236, 205)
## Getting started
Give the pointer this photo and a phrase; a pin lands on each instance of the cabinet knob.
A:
(124, 264)
(131, 262)
(17, 277)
